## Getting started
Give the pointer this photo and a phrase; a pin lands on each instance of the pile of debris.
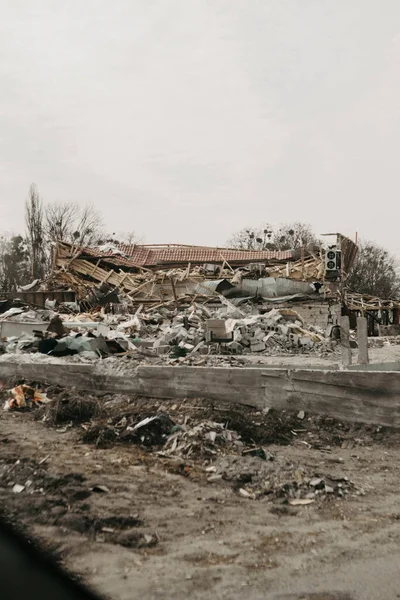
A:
(231, 449)
(147, 274)
(286, 482)
(240, 331)
(197, 330)
(205, 439)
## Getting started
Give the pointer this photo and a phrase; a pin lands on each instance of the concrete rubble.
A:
(170, 334)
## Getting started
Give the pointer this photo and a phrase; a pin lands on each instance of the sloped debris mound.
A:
(199, 428)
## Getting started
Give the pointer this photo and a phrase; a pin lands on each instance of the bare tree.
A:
(252, 238)
(288, 237)
(129, 237)
(88, 227)
(375, 272)
(292, 236)
(35, 232)
(120, 238)
(59, 221)
(70, 223)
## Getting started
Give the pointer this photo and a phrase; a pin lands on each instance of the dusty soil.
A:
(157, 528)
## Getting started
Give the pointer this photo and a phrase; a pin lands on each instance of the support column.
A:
(345, 340)
(362, 337)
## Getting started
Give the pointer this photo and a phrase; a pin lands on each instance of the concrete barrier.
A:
(362, 395)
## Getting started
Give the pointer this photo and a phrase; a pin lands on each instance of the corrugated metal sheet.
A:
(269, 287)
(209, 287)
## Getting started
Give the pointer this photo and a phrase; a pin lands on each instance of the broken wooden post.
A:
(345, 340)
(362, 337)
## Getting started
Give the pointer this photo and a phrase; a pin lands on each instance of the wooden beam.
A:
(174, 290)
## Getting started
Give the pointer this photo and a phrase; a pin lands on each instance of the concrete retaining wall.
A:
(363, 396)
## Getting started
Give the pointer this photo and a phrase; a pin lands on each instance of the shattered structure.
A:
(159, 275)
(188, 301)
(153, 275)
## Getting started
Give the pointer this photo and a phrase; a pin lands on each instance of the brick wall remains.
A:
(318, 313)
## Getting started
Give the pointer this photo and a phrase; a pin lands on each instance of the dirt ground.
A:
(157, 528)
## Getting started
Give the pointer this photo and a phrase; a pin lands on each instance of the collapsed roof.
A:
(159, 273)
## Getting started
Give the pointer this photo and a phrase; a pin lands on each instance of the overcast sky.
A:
(185, 120)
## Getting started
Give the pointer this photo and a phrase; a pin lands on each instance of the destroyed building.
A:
(169, 274)
(268, 300)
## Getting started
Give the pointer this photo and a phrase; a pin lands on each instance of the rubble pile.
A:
(172, 333)
(222, 446)
(205, 439)
(286, 482)
(149, 431)
(382, 341)
(242, 332)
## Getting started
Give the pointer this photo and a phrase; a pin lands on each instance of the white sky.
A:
(185, 120)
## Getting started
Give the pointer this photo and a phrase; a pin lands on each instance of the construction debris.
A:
(285, 482)
(167, 332)
(150, 274)
(205, 439)
(254, 472)
(25, 397)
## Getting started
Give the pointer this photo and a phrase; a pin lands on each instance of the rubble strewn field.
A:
(163, 335)
(201, 498)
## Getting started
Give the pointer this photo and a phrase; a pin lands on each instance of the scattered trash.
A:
(204, 439)
(100, 489)
(152, 430)
(260, 452)
(301, 501)
(25, 397)
(282, 481)
(45, 459)
(17, 489)
(246, 494)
